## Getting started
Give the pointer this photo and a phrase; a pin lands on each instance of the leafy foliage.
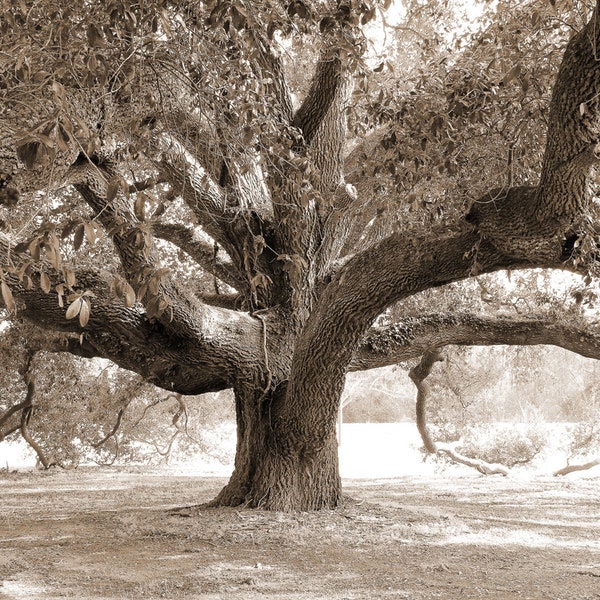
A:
(509, 446)
(84, 410)
(225, 195)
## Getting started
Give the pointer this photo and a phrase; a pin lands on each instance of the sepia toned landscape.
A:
(299, 299)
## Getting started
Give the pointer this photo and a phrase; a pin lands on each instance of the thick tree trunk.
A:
(274, 468)
(298, 475)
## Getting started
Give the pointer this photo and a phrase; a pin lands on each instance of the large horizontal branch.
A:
(126, 336)
(414, 336)
(129, 339)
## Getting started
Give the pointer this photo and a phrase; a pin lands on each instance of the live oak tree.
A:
(130, 129)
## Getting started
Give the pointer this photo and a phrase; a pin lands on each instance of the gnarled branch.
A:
(418, 374)
(129, 338)
(412, 337)
(200, 250)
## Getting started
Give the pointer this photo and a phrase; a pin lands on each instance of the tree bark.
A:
(275, 476)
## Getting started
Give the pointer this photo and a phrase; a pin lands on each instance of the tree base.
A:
(287, 482)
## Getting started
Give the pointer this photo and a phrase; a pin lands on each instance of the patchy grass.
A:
(100, 534)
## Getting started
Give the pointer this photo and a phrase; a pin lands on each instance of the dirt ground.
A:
(110, 534)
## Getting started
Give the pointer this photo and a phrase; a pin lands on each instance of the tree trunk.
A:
(275, 469)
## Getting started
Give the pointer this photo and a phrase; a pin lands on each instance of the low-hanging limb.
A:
(29, 379)
(418, 374)
(579, 467)
(25, 404)
(412, 337)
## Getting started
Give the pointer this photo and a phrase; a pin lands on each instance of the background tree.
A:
(71, 409)
(135, 129)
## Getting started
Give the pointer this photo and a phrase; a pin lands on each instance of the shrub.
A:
(508, 445)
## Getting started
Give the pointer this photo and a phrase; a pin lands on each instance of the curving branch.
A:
(163, 299)
(206, 199)
(188, 130)
(412, 337)
(240, 230)
(574, 123)
(418, 374)
(327, 79)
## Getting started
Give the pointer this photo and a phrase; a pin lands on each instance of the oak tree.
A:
(228, 194)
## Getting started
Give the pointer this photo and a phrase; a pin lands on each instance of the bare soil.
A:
(110, 534)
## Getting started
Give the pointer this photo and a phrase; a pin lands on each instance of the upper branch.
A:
(240, 230)
(326, 81)
(163, 299)
(574, 124)
(270, 64)
(199, 250)
(206, 199)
